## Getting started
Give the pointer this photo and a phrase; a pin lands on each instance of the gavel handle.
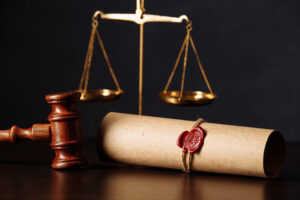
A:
(38, 132)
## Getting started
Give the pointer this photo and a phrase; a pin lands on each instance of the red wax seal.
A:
(191, 140)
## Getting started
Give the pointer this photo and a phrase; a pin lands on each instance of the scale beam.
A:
(140, 17)
(144, 18)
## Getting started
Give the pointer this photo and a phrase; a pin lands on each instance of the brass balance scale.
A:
(180, 97)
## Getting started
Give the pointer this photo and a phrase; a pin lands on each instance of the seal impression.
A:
(191, 141)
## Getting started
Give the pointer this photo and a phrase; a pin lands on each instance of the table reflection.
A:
(119, 182)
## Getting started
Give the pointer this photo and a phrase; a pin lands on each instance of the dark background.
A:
(250, 51)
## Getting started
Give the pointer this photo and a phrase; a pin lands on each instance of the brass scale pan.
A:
(100, 95)
(189, 98)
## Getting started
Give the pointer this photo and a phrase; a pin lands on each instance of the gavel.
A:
(64, 131)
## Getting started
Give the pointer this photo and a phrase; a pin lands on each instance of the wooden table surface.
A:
(25, 173)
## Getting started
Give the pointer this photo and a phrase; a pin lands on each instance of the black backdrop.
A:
(250, 50)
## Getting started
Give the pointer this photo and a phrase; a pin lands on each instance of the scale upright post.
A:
(141, 18)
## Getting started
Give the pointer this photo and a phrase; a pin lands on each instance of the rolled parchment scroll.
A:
(151, 141)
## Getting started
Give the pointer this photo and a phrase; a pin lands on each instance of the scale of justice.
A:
(177, 97)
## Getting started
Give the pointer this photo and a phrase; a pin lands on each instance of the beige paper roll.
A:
(151, 141)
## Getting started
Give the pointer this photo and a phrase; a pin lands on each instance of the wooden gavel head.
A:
(64, 131)
(65, 123)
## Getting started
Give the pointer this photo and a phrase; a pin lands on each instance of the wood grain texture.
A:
(65, 122)
(38, 132)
